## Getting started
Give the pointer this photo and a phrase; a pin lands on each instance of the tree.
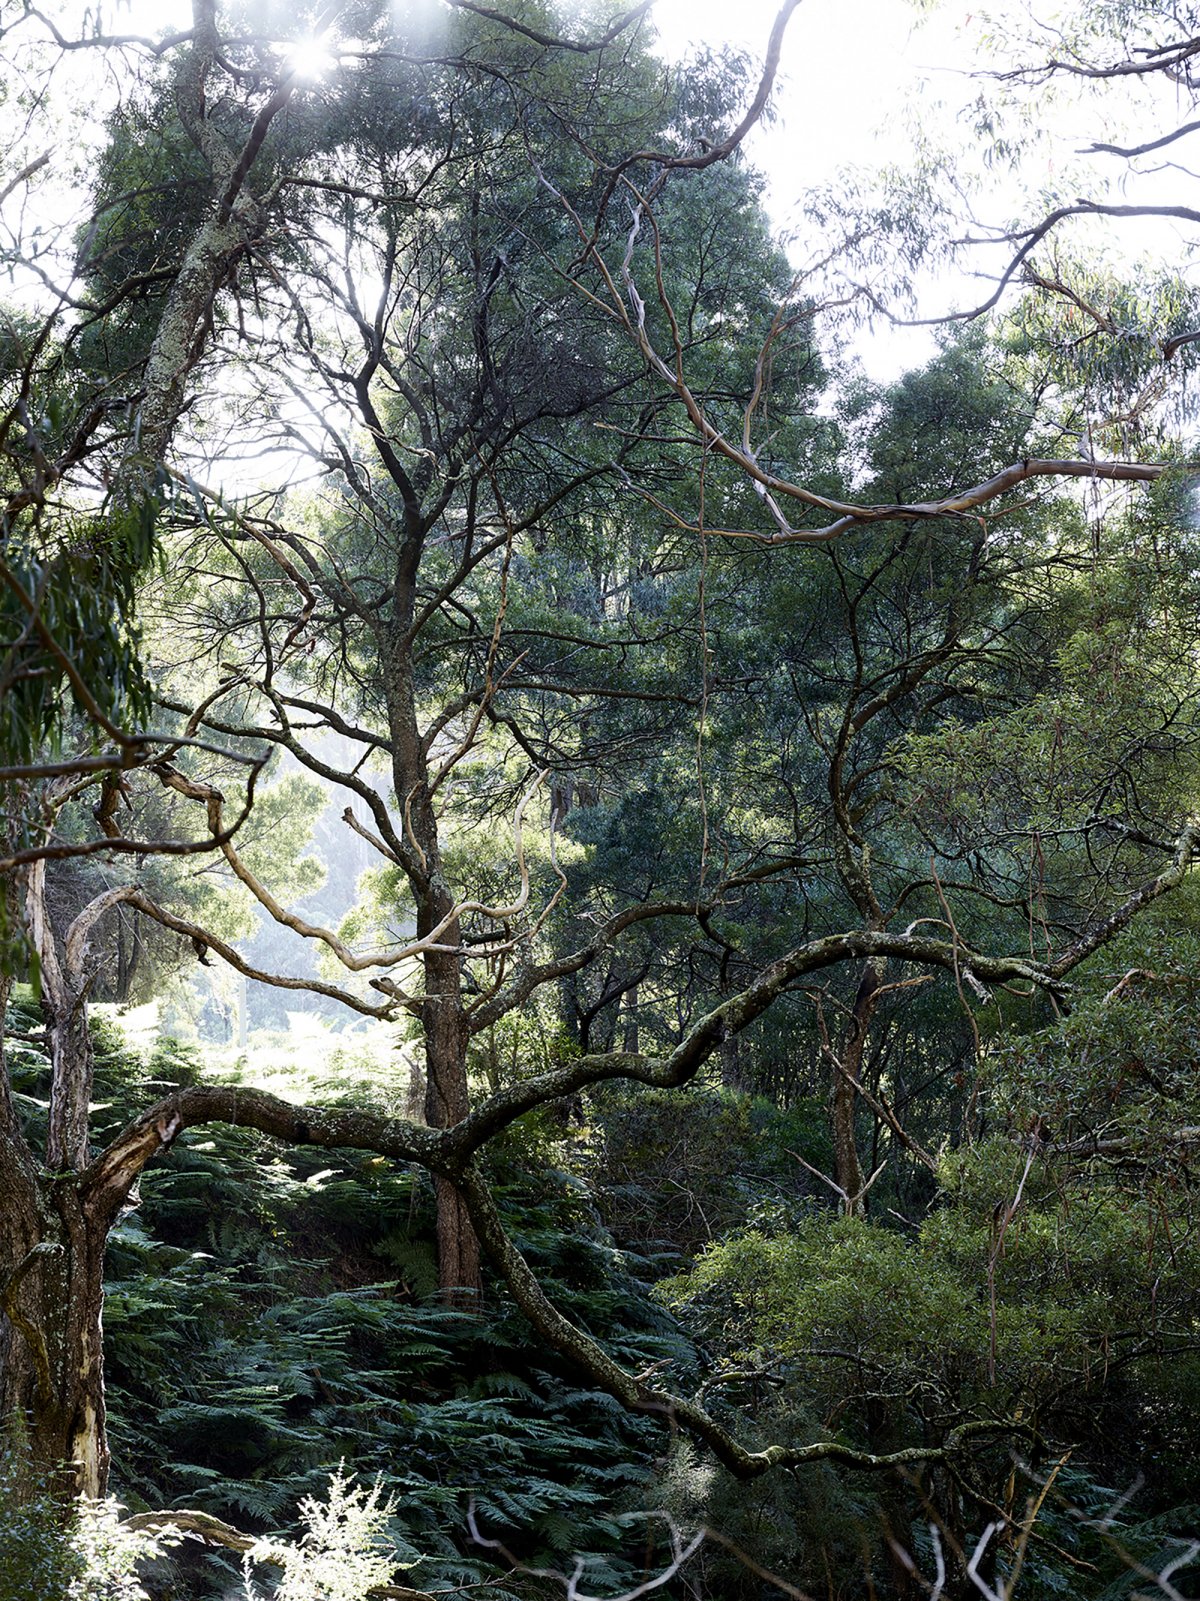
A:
(152, 304)
(476, 599)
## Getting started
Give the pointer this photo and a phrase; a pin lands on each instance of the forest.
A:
(599, 957)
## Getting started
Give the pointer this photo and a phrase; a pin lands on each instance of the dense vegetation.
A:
(599, 939)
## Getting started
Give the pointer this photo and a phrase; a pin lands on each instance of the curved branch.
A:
(80, 932)
(632, 1391)
(1101, 932)
(731, 1017)
(846, 515)
(710, 153)
(227, 953)
(530, 978)
(1029, 238)
(108, 41)
(1166, 60)
(353, 962)
(553, 41)
(107, 1181)
(286, 738)
(1151, 144)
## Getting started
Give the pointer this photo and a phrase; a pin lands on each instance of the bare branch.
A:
(1144, 149)
(1104, 930)
(107, 1180)
(202, 937)
(552, 41)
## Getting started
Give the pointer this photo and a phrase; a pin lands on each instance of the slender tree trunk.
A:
(847, 1165)
(51, 1352)
(443, 1015)
(51, 1244)
(243, 1013)
(446, 1103)
(732, 1075)
(629, 1040)
(885, 1434)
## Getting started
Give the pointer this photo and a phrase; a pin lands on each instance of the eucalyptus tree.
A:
(1066, 188)
(206, 187)
(82, 445)
(474, 591)
(1129, 70)
(406, 281)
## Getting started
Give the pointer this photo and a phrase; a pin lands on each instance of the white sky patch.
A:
(845, 74)
(864, 83)
(853, 75)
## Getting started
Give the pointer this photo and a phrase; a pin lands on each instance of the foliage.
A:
(675, 1175)
(93, 1558)
(67, 606)
(253, 1343)
(629, 776)
(109, 1553)
(342, 1552)
(36, 1562)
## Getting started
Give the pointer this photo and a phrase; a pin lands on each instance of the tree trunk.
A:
(629, 1040)
(447, 1102)
(443, 1016)
(732, 1075)
(51, 1353)
(51, 1245)
(847, 1166)
(242, 1028)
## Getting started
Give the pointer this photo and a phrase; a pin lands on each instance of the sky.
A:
(835, 104)
(851, 74)
(861, 80)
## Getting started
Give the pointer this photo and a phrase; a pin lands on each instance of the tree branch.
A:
(106, 1182)
(637, 1396)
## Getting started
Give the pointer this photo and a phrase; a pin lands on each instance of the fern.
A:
(242, 1370)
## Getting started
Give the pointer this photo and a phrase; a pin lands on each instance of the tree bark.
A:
(847, 1166)
(51, 1350)
(447, 1102)
(64, 1007)
(51, 1246)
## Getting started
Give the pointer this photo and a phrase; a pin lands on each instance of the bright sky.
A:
(846, 75)
(852, 74)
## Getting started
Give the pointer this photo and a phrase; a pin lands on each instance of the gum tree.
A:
(424, 276)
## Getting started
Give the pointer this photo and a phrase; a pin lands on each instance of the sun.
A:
(311, 59)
